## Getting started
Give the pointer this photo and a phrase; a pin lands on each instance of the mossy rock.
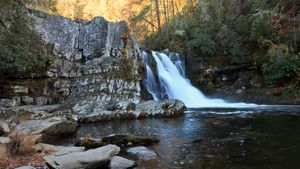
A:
(125, 139)
(89, 143)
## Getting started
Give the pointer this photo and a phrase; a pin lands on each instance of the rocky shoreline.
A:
(48, 123)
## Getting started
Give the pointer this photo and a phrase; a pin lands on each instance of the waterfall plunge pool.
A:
(215, 138)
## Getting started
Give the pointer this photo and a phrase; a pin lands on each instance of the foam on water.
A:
(173, 83)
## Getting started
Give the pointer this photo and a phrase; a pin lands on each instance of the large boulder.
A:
(91, 159)
(48, 129)
(121, 163)
(166, 108)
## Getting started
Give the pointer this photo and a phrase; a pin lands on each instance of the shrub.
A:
(282, 67)
(21, 144)
(3, 152)
(22, 50)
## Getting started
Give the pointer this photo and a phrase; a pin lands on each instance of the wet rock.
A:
(17, 100)
(121, 163)
(7, 103)
(95, 158)
(165, 108)
(93, 111)
(126, 139)
(89, 143)
(198, 141)
(49, 128)
(4, 129)
(142, 153)
(5, 140)
(27, 100)
(41, 100)
(58, 150)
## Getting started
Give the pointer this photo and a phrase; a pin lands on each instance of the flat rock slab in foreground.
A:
(91, 159)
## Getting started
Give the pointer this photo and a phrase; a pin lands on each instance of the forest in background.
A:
(263, 33)
(214, 33)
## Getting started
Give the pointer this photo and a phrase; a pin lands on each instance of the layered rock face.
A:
(93, 59)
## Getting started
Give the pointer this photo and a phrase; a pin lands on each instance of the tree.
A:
(158, 15)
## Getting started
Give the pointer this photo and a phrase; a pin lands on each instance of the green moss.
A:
(125, 70)
(89, 143)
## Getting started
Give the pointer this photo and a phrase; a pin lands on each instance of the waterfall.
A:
(172, 81)
(150, 81)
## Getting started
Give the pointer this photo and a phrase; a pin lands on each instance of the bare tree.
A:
(158, 14)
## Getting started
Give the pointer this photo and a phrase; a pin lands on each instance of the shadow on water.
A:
(267, 138)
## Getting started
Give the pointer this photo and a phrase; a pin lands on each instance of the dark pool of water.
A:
(227, 139)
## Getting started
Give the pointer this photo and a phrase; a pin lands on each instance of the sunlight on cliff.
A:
(113, 10)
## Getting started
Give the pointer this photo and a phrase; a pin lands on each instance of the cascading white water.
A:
(172, 80)
(150, 81)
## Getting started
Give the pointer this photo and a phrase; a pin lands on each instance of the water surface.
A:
(216, 138)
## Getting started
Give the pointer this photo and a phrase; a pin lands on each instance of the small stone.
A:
(20, 89)
(17, 100)
(27, 100)
(239, 91)
(41, 100)
(7, 103)
(5, 140)
(4, 129)
(121, 163)
(142, 153)
(198, 141)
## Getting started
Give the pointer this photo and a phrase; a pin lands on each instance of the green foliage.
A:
(261, 26)
(230, 43)
(281, 68)
(48, 6)
(21, 49)
(245, 31)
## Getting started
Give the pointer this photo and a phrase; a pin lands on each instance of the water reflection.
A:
(215, 139)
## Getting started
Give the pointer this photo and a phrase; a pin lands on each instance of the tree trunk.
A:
(157, 15)
(173, 7)
(165, 10)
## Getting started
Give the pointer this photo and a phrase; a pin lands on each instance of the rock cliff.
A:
(93, 59)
